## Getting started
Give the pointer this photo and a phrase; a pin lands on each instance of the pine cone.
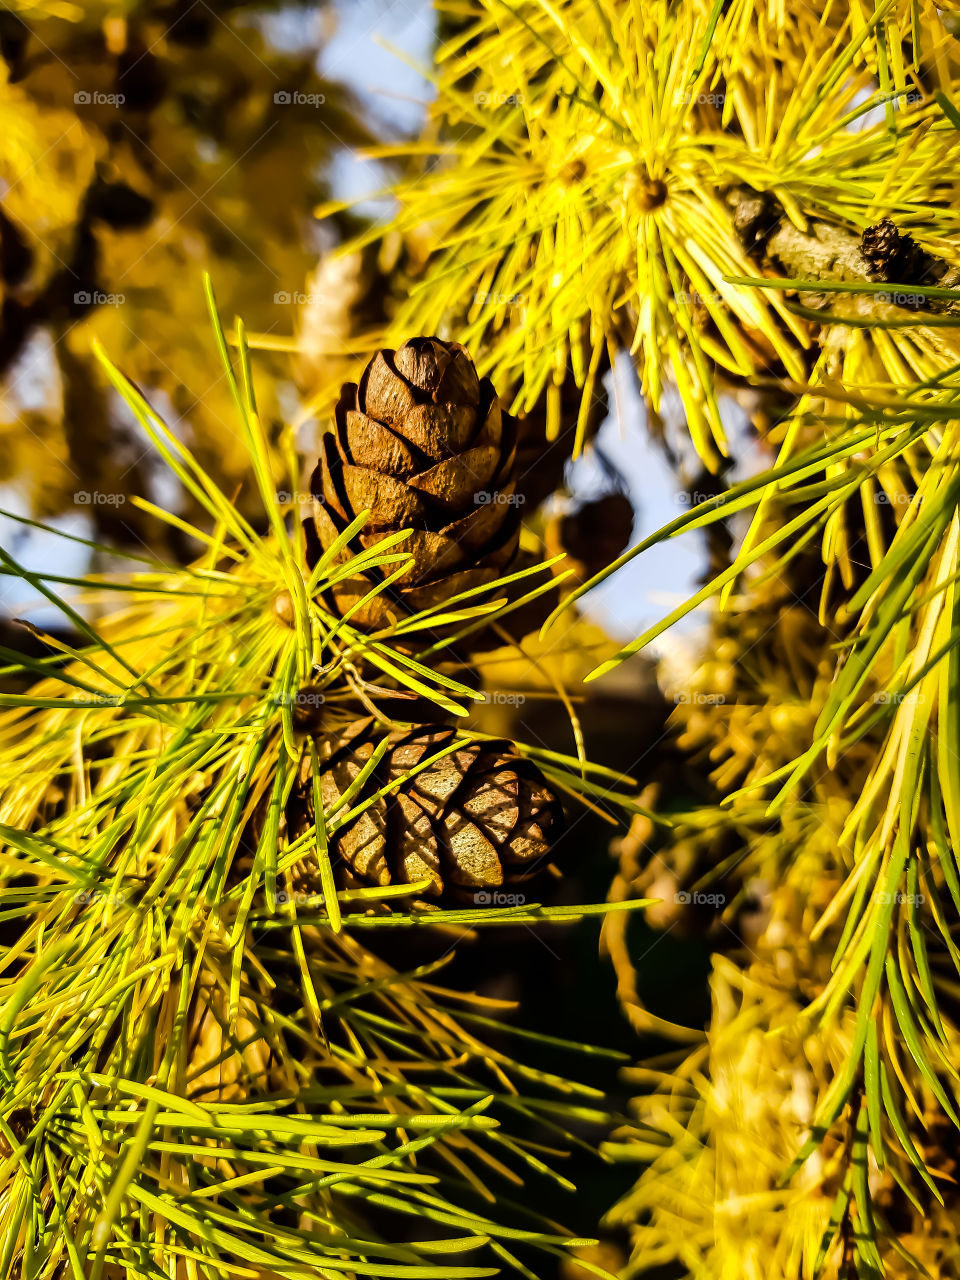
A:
(480, 818)
(891, 255)
(593, 535)
(422, 444)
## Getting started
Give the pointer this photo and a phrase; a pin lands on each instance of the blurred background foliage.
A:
(142, 145)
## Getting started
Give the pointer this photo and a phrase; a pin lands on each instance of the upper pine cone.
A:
(422, 444)
(476, 819)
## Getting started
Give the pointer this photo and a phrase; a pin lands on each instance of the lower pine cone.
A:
(479, 818)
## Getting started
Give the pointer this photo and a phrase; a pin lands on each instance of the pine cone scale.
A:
(473, 858)
(417, 859)
(423, 597)
(440, 431)
(448, 481)
(371, 444)
(390, 397)
(391, 503)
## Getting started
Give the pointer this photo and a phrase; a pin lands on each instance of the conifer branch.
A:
(836, 254)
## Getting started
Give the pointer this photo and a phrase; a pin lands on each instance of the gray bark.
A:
(830, 253)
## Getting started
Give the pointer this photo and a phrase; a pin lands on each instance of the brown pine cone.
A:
(480, 818)
(891, 255)
(593, 535)
(422, 444)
